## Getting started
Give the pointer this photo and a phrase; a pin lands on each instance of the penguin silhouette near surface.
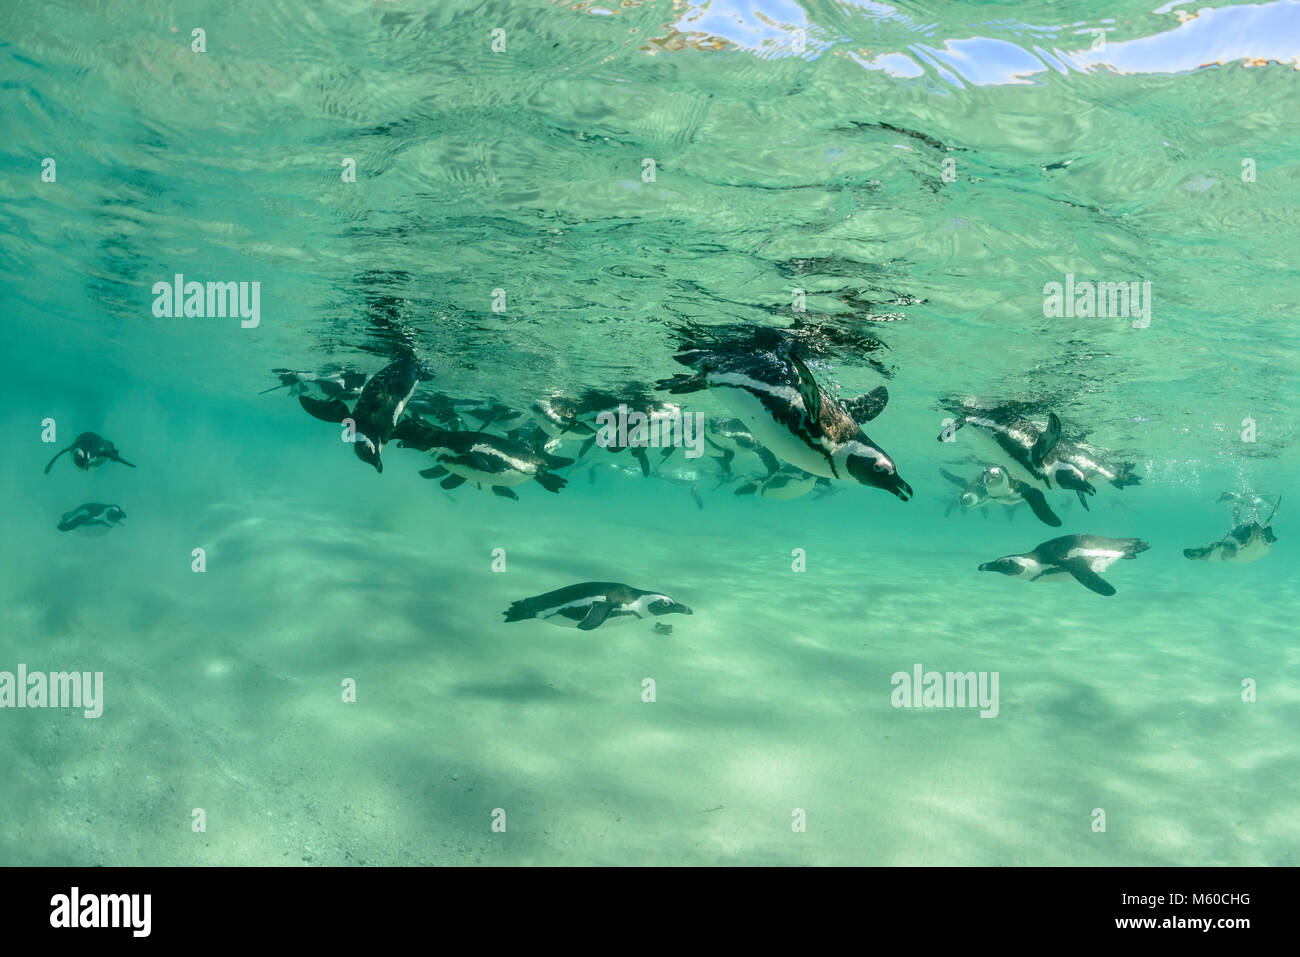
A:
(485, 459)
(90, 451)
(1029, 444)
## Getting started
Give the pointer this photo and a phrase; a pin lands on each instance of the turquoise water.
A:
(782, 160)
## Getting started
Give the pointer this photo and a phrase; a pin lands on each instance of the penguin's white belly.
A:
(778, 439)
(1245, 554)
(1098, 559)
(553, 616)
(510, 476)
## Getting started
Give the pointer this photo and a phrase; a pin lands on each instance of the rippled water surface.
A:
(554, 198)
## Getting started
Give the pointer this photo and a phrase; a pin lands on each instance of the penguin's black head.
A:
(663, 605)
(1074, 480)
(878, 471)
(1004, 566)
(114, 514)
(367, 450)
(81, 458)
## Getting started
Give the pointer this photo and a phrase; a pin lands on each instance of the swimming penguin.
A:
(683, 475)
(776, 396)
(558, 415)
(591, 604)
(92, 518)
(379, 408)
(1083, 557)
(1243, 545)
(473, 415)
(1248, 542)
(732, 438)
(1031, 445)
(90, 451)
(1092, 462)
(782, 485)
(1003, 487)
(332, 383)
(485, 459)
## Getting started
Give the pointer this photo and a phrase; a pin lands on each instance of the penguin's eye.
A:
(881, 468)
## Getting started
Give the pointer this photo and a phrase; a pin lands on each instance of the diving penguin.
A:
(776, 396)
(1243, 545)
(1003, 487)
(486, 459)
(1083, 557)
(1031, 445)
(591, 604)
(1248, 542)
(90, 451)
(379, 408)
(92, 518)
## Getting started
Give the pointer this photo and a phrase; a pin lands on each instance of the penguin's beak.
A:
(985, 567)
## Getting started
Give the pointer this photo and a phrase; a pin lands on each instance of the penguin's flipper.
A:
(1038, 502)
(118, 458)
(748, 489)
(555, 461)
(682, 382)
(505, 492)
(596, 615)
(808, 389)
(438, 471)
(639, 453)
(586, 446)
(954, 479)
(727, 456)
(770, 461)
(55, 459)
(663, 456)
(552, 483)
(1088, 578)
(1083, 500)
(866, 407)
(331, 388)
(1198, 553)
(452, 481)
(695, 494)
(1047, 441)
(335, 410)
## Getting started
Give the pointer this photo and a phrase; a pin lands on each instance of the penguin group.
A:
(90, 451)
(785, 437)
